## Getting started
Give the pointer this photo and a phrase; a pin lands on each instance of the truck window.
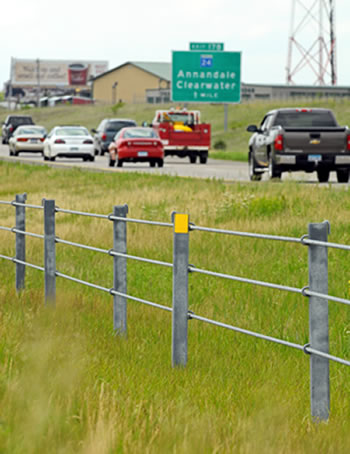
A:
(300, 119)
(266, 123)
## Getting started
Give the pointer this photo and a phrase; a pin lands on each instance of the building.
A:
(254, 92)
(141, 82)
(134, 82)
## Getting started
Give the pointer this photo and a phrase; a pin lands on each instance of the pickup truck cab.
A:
(294, 139)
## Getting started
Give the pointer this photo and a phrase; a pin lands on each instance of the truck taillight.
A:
(348, 143)
(279, 142)
(104, 137)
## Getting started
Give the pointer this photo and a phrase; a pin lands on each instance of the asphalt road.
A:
(214, 169)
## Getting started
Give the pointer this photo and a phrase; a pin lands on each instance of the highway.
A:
(214, 169)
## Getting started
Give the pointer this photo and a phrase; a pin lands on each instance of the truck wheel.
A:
(203, 157)
(120, 163)
(160, 162)
(193, 158)
(152, 163)
(273, 169)
(323, 175)
(343, 175)
(253, 174)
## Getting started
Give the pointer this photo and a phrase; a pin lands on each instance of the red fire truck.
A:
(183, 134)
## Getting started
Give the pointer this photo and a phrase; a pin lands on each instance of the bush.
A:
(219, 145)
(117, 106)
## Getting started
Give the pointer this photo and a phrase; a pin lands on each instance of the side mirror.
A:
(253, 128)
(93, 130)
(144, 124)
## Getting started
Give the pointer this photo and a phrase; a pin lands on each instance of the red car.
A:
(136, 144)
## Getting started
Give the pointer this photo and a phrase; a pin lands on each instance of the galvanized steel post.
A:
(318, 322)
(180, 289)
(120, 270)
(49, 251)
(20, 241)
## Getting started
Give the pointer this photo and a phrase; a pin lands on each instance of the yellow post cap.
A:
(181, 223)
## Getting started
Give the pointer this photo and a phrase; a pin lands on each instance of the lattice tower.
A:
(312, 43)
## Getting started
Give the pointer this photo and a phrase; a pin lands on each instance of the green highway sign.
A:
(207, 46)
(213, 77)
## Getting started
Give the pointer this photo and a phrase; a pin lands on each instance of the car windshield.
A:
(177, 117)
(115, 126)
(30, 131)
(300, 119)
(72, 132)
(140, 133)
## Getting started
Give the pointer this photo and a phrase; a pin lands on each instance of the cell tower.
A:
(312, 42)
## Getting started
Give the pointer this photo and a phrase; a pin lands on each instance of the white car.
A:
(29, 138)
(69, 142)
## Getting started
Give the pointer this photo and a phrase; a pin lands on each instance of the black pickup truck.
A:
(292, 139)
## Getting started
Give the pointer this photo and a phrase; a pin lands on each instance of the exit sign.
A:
(207, 46)
(206, 76)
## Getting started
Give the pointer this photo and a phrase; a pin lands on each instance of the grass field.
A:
(239, 117)
(69, 385)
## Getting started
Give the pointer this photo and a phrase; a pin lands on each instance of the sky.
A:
(120, 31)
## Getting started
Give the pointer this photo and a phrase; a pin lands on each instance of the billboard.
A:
(55, 73)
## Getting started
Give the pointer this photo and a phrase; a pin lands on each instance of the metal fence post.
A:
(318, 322)
(180, 289)
(49, 251)
(20, 241)
(120, 270)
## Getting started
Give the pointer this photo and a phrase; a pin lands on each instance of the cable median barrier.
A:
(316, 291)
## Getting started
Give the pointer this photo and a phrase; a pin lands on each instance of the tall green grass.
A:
(68, 384)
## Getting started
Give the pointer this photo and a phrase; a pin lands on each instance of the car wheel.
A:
(3, 141)
(15, 153)
(52, 158)
(323, 175)
(273, 169)
(253, 174)
(152, 163)
(96, 152)
(203, 157)
(120, 163)
(193, 158)
(10, 152)
(160, 162)
(342, 175)
(46, 158)
(91, 158)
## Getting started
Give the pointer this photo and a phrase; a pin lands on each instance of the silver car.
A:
(27, 138)
(69, 142)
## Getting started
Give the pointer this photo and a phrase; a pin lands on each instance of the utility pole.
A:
(38, 82)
